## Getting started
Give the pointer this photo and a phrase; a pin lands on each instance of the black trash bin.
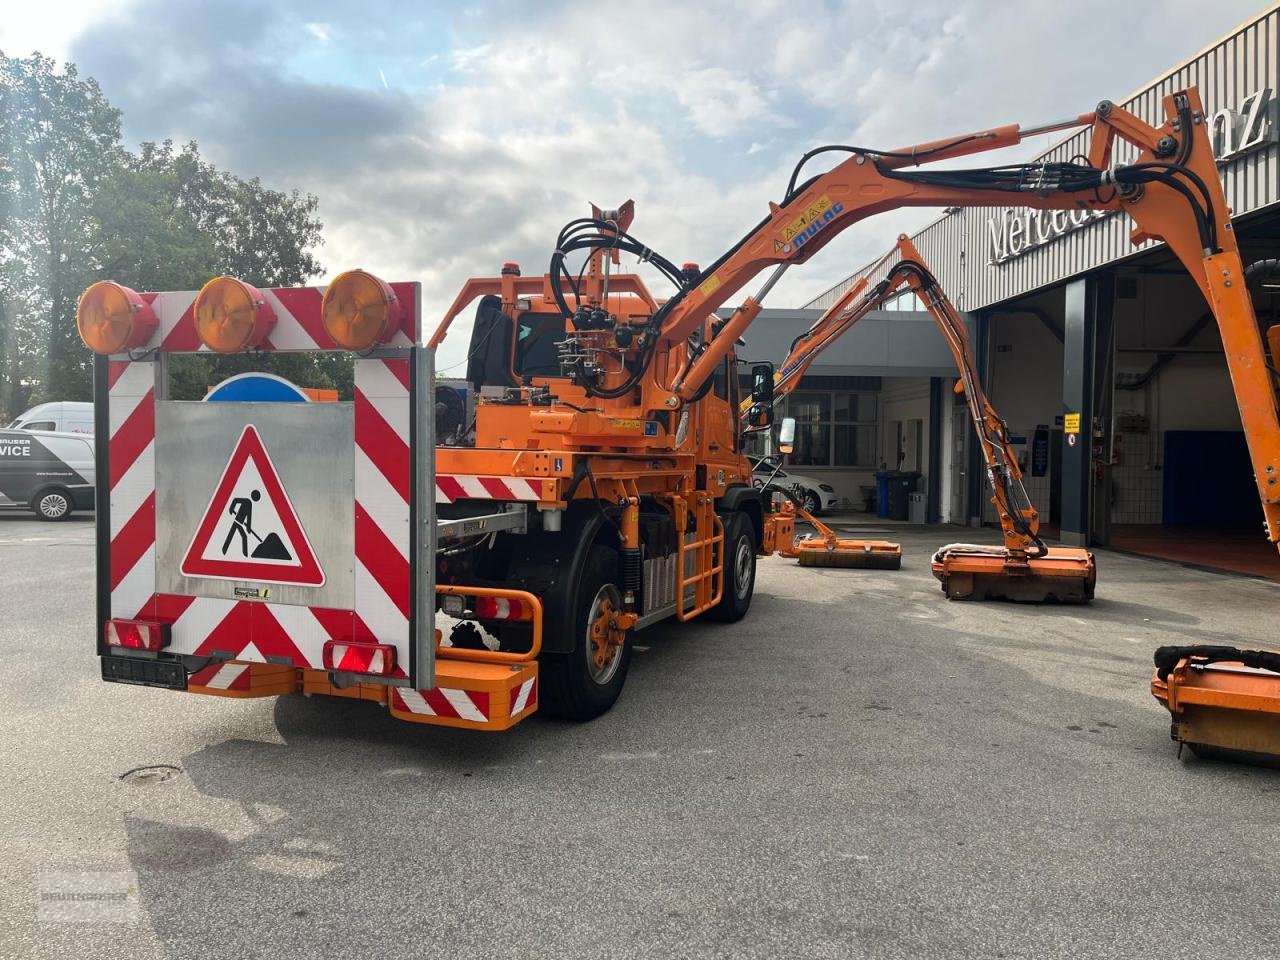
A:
(895, 489)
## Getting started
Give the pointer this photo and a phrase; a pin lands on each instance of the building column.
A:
(1086, 351)
(937, 410)
(975, 471)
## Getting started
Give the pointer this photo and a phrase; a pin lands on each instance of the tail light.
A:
(136, 634)
(112, 318)
(231, 315)
(351, 656)
(359, 310)
(485, 608)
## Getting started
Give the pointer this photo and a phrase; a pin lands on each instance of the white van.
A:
(63, 416)
(51, 474)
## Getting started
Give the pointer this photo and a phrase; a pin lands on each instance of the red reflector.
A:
(136, 634)
(351, 656)
(501, 608)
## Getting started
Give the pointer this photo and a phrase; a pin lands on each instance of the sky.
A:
(445, 138)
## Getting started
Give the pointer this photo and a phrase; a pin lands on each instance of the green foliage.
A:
(76, 206)
(60, 140)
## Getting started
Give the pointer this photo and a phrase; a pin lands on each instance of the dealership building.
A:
(1068, 318)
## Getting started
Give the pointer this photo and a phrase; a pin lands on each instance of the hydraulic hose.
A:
(1168, 657)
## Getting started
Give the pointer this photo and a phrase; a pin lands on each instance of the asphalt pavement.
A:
(858, 769)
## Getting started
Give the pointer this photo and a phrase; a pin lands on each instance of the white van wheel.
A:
(53, 504)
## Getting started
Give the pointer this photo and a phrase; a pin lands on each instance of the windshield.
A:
(537, 335)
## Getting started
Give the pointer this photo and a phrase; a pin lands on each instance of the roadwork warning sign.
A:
(250, 530)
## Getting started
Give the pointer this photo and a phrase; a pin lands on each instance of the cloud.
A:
(506, 122)
(318, 30)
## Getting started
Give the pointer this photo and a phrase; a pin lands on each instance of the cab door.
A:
(722, 427)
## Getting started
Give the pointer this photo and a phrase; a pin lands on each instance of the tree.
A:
(76, 207)
(60, 140)
(260, 235)
(263, 236)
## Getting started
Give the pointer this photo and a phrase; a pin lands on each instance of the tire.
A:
(812, 502)
(573, 686)
(740, 569)
(53, 503)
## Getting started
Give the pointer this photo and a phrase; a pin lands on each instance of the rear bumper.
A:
(476, 689)
(478, 696)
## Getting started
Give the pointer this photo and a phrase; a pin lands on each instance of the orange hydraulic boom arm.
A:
(850, 307)
(1172, 193)
(1019, 520)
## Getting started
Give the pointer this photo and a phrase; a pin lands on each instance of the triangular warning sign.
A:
(250, 530)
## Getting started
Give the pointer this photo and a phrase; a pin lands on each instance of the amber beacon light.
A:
(231, 315)
(112, 318)
(360, 310)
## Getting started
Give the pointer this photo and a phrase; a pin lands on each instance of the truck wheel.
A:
(739, 571)
(584, 683)
(52, 503)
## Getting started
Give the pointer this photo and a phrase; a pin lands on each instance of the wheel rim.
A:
(53, 505)
(604, 637)
(811, 503)
(743, 556)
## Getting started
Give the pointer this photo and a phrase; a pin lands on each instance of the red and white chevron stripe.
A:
(222, 676)
(456, 486)
(383, 490)
(298, 319)
(132, 478)
(251, 631)
(524, 696)
(470, 705)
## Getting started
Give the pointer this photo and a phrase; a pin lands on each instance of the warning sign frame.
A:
(305, 572)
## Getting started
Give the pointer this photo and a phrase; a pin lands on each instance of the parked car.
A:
(51, 474)
(62, 416)
(816, 497)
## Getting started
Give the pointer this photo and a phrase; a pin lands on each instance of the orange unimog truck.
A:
(601, 489)
(640, 509)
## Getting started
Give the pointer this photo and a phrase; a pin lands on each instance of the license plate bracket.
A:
(169, 674)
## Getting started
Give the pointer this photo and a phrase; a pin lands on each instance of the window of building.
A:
(904, 301)
(833, 429)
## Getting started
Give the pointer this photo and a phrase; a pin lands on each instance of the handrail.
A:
(495, 656)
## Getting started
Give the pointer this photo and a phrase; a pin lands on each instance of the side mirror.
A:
(762, 384)
(760, 416)
(787, 435)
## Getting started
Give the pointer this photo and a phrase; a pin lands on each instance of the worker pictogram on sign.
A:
(250, 530)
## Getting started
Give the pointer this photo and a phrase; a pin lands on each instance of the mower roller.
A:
(828, 550)
(1222, 701)
(973, 572)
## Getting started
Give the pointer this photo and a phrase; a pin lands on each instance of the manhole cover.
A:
(148, 776)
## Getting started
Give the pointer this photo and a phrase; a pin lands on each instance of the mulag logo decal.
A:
(802, 229)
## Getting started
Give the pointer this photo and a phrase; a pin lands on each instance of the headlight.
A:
(827, 487)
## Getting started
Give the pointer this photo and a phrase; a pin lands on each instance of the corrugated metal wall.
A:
(958, 245)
